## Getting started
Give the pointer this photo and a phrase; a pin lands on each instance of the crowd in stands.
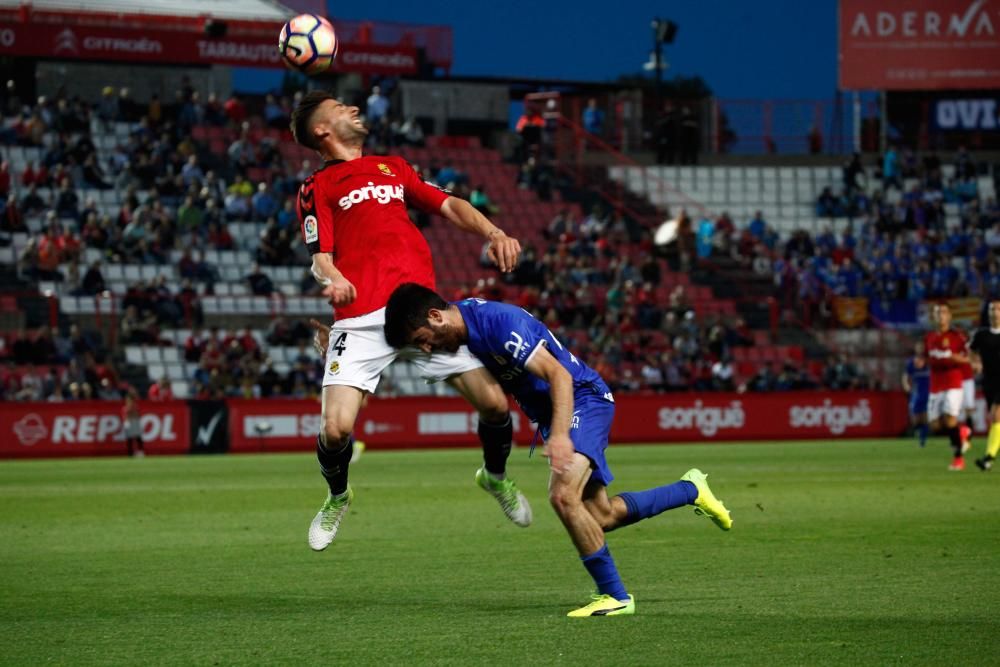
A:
(893, 243)
(595, 282)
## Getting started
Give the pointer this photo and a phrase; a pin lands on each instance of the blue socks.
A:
(601, 567)
(644, 504)
(922, 430)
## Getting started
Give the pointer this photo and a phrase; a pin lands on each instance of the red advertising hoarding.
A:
(88, 428)
(93, 428)
(919, 44)
(439, 422)
(83, 42)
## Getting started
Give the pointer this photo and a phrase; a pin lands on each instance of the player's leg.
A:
(468, 377)
(355, 359)
(969, 402)
(589, 467)
(566, 491)
(633, 506)
(951, 411)
(993, 436)
(920, 419)
(334, 448)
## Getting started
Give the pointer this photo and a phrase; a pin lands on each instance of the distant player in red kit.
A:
(946, 354)
(354, 220)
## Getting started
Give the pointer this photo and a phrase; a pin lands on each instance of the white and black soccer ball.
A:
(308, 43)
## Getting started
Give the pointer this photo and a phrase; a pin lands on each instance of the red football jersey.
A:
(946, 373)
(356, 210)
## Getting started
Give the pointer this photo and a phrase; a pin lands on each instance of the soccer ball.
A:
(308, 44)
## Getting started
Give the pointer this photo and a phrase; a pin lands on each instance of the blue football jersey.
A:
(920, 378)
(505, 337)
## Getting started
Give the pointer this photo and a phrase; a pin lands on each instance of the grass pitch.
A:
(847, 552)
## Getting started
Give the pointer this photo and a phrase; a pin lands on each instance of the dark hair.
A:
(407, 311)
(302, 114)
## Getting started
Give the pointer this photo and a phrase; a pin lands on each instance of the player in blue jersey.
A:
(917, 383)
(573, 408)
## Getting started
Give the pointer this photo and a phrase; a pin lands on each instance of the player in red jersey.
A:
(353, 213)
(946, 353)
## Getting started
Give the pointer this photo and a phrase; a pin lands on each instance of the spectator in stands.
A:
(965, 167)
(854, 173)
(137, 329)
(12, 220)
(191, 172)
(264, 203)
(377, 107)
(481, 201)
(260, 283)
(827, 205)
(67, 201)
(275, 115)
(410, 133)
(757, 226)
(93, 281)
(891, 169)
(593, 118)
(840, 374)
(529, 130)
(234, 110)
(5, 180)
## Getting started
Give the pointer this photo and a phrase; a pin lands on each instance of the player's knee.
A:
(563, 500)
(495, 414)
(492, 407)
(335, 436)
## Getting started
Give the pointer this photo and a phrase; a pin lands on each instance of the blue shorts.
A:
(589, 431)
(918, 403)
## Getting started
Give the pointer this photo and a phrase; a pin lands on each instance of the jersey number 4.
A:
(340, 344)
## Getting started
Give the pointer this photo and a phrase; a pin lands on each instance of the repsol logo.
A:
(383, 194)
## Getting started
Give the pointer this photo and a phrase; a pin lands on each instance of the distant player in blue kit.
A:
(917, 383)
(573, 408)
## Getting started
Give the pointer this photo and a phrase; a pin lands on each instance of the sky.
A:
(744, 50)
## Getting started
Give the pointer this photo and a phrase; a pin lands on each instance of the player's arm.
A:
(974, 357)
(336, 287)
(559, 446)
(504, 250)
(905, 381)
(317, 233)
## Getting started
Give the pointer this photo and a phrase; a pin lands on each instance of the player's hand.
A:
(559, 450)
(504, 251)
(321, 339)
(340, 291)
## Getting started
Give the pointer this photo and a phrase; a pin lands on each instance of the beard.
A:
(351, 132)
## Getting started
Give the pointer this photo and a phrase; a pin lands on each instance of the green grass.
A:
(850, 552)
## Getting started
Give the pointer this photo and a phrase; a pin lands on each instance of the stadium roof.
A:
(251, 10)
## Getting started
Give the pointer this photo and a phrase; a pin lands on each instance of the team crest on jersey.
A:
(310, 229)
(334, 367)
(384, 168)
(944, 341)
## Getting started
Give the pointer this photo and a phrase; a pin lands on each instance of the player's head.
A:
(942, 315)
(319, 117)
(416, 315)
(918, 348)
(993, 311)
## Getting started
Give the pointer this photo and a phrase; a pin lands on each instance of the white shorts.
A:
(969, 394)
(948, 402)
(358, 353)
